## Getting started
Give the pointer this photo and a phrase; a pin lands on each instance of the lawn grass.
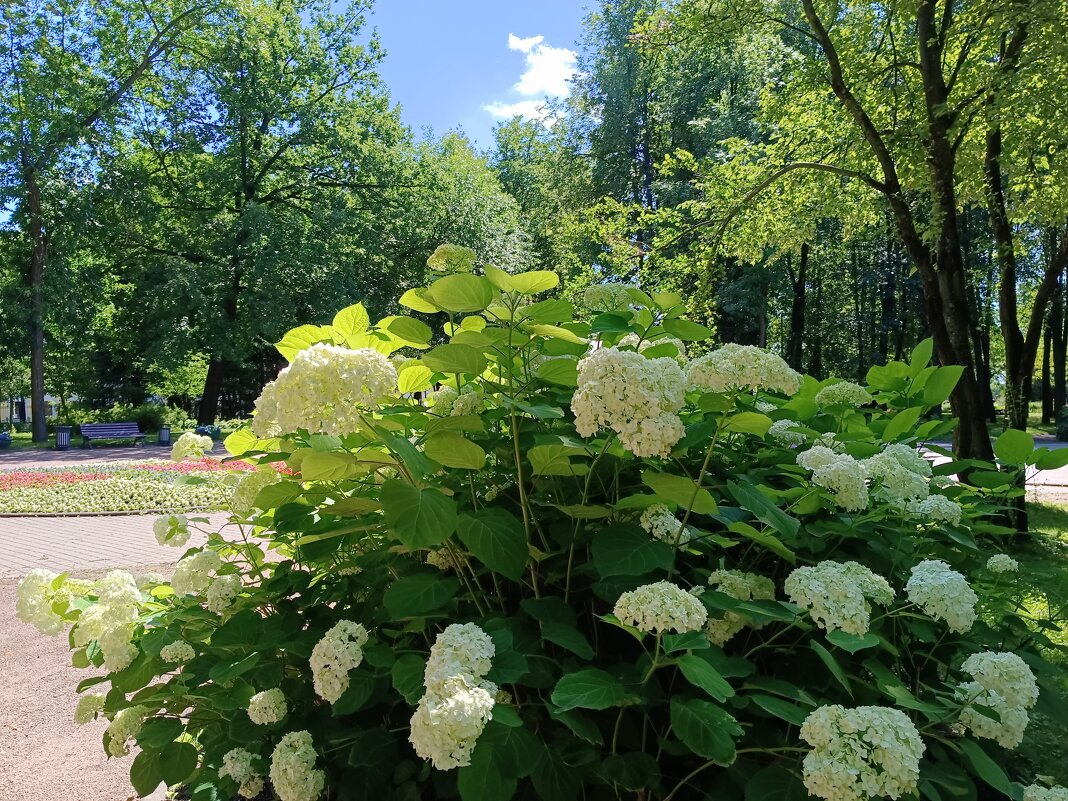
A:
(23, 441)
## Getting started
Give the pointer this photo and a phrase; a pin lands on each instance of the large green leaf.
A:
(410, 330)
(452, 358)
(588, 689)
(627, 550)
(567, 636)
(755, 501)
(177, 762)
(983, 766)
(535, 281)
(748, 423)
(687, 330)
(421, 518)
(775, 783)
(418, 300)
(418, 595)
(1014, 446)
(941, 383)
(497, 539)
(701, 674)
(327, 466)
(302, 337)
(145, 773)
(461, 293)
(705, 729)
(681, 491)
(350, 320)
(452, 449)
(901, 423)
(414, 378)
(561, 370)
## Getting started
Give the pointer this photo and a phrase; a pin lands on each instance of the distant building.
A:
(17, 410)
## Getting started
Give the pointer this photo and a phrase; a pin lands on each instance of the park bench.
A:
(91, 431)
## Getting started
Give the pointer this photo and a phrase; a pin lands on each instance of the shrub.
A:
(488, 594)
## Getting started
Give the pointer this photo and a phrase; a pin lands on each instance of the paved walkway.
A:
(28, 458)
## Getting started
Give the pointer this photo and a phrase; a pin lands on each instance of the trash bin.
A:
(164, 435)
(63, 437)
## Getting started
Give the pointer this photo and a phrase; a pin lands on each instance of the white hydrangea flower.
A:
(458, 701)
(171, 530)
(838, 473)
(1007, 731)
(293, 772)
(1037, 792)
(742, 367)
(606, 297)
(89, 706)
(221, 593)
(468, 402)
(937, 509)
(150, 579)
(842, 394)
(661, 607)
(324, 390)
(441, 401)
(662, 524)
(634, 396)
(836, 594)
(1004, 673)
(744, 587)
(243, 501)
(268, 706)
(1002, 563)
(34, 601)
(909, 458)
(177, 652)
(191, 445)
(785, 433)
(861, 753)
(123, 728)
(765, 407)
(943, 593)
(110, 620)
(239, 765)
(893, 482)
(442, 559)
(631, 341)
(339, 651)
(192, 574)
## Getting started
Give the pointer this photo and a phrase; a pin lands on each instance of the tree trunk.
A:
(38, 254)
(208, 411)
(795, 344)
(1059, 326)
(1047, 389)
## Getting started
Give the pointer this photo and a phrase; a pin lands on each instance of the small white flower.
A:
(89, 706)
(123, 728)
(662, 524)
(742, 367)
(177, 652)
(842, 475)
(1037, 792)
(339, 651)
(192, 574)
(267, 707)
(293, 772)
(937, 509)
(661, 607)
(1002, 563)
(843, 394)
(191, 445)
(836, 594)
(171, 530)
(221, 593)
(743, 587)
(943, 593)
(239, 765)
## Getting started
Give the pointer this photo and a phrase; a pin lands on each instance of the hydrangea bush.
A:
(543, 554)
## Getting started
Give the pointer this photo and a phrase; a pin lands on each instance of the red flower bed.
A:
(20, 479)
(203, 465)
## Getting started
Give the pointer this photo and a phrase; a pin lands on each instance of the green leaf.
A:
(941, 383)
(748, 423)
(687, 330)
(980, 763)
(1052, 459)
(452, 449)
(755, 501)
(418, 300)
(360, 690)
(851, 642)
(327, 466)
(775, 783)
(420, 518)
(780, 708)
(407, 675)
(229, 669)
(350, 320)
(419, 595)
(555, 779)
(705, 729)
(554, 460)
(410, 330)
(499, 278)
(701, 674)
(1014, 446)
(562, 371)
(921, 356)
(177, 762)
(627, 550)
(832, 665)
(588, 689)
(414, 378)
(567, 636)
(556, 332)
(534, 281)
(302, 337)
(145, 774)
(680, 490)
(553, 310)
(156, 733)
(901, 423)
(461, 293)
(240, 442)
(497, 539)
(769, 541)
(451, 358)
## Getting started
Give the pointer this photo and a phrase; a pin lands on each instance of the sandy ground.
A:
(44, 756)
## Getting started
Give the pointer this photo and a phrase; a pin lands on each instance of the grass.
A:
(23, 441)
(1035, 426)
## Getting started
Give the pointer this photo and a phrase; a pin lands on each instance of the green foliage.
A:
(506, 517)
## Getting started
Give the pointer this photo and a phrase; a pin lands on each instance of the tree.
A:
(69, 66)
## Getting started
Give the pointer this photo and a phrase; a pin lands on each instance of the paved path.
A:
(28, 458)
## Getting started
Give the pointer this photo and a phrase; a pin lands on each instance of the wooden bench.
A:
(91, 431)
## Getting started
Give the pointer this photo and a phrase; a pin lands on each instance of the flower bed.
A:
(583, 567)
(119, 487)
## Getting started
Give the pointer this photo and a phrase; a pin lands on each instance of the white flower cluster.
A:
(239, 765)
(839, 473)
(842, 394)
(221, 593)
(458, 701)
(606, 297)
(37, 596)
(937, 509)
(192, 574)
(661, 607)
(744, 587)
(662, 524)
(1002, 682)
(469, 402)
(1002, 563)
(243, 501)
(943, 593)
(111, 619)
(89, 706)
(1036, 792)
(894, 481)
(632, 341)
(909, 458)
(861, 753)
(171, 530)
(267, 707)
(742, 367)
(124, 727)
(177, 652)
(339, 651)
(836, 594)
(785, 433)
(634, 396)
(441, 400)
(293, 772)
(324, 390)
(191, 445)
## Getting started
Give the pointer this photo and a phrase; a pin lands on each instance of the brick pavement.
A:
(28, 458)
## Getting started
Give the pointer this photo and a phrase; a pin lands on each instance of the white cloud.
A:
(547, 72)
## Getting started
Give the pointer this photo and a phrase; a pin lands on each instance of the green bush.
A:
(575, 572)
(148, 416)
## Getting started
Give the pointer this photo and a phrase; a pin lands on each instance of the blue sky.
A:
(469, 63)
